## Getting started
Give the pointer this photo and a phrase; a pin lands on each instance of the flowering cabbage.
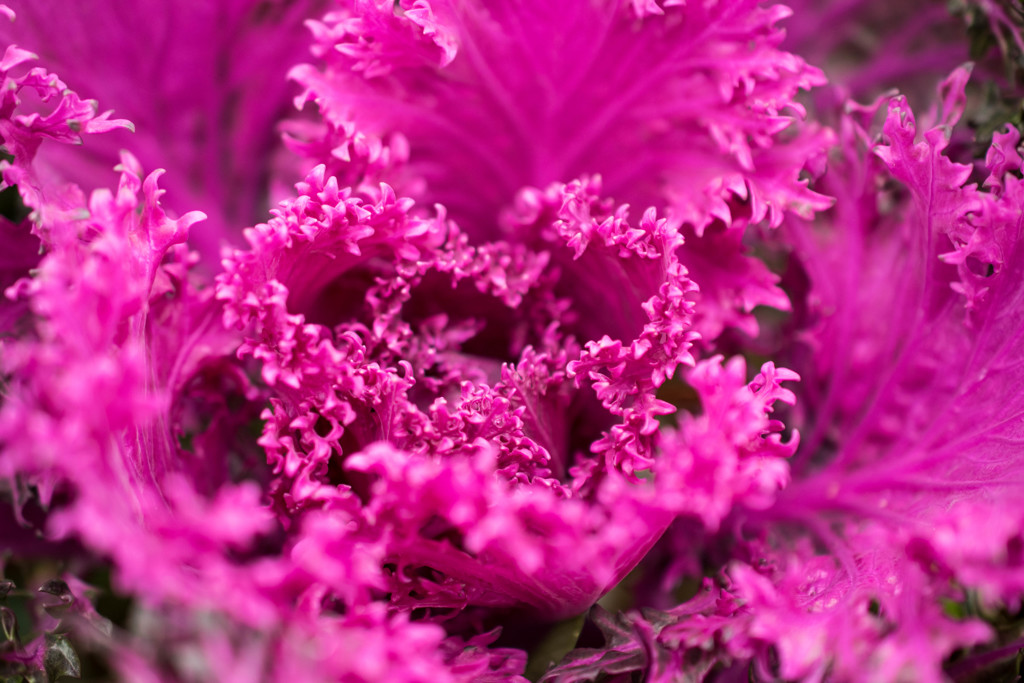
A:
(597, 340)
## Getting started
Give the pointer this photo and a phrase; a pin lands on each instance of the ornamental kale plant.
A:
(461, 341)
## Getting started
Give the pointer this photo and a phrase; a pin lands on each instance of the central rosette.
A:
(464, 333)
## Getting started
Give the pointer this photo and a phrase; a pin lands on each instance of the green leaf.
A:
(8, 624)
(559, 641)
(60, 658)
(954, 610)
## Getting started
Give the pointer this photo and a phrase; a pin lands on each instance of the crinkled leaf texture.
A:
(910, 410)
(444, 418)
(203, 82)
(686, 107)
(450, 412)
(121, 391)
(450, 338)
(906, 492)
